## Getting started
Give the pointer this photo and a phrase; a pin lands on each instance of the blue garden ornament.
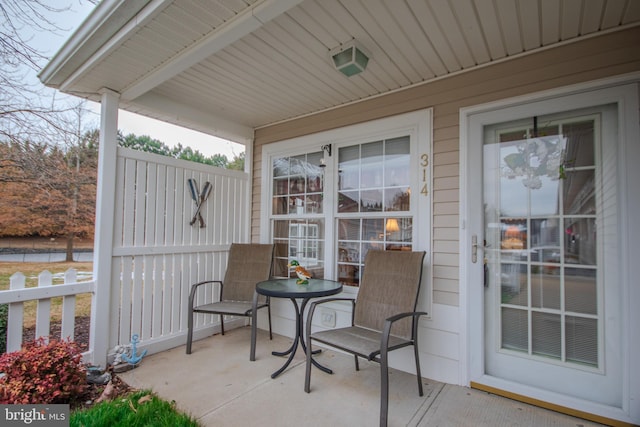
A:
(134, 359)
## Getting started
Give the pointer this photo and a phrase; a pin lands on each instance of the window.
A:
(298, 187)
(373, 206)
(374, 177)
(357, 235)
(373, 181)
(328, 208)
(303, 242)
(297, 184)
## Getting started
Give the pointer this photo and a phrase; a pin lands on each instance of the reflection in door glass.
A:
(540, 194)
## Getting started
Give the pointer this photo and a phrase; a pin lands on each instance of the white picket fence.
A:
(17, 295)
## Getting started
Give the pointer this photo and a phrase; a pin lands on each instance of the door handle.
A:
(474, 248)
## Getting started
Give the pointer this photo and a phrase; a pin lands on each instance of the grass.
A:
(31, 270)
(138, 409)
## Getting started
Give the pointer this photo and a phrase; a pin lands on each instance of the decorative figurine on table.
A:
(301, 272)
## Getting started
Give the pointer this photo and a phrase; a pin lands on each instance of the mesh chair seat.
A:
(232, 308)
(361, 341)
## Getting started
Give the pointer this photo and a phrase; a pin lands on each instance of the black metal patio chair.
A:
(384, 317)
(248, 264)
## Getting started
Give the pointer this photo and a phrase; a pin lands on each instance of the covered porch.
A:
(236, 391)
(439, 77)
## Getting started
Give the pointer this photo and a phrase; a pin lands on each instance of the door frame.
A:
(622, 90)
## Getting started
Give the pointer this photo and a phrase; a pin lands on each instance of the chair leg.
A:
(355, 357)
(415, 352)
(222, 324)
(252, 351)
(416, 355)
(254, 327)
(307, 372)
(189, 330)
(269, 315)
(384, 388)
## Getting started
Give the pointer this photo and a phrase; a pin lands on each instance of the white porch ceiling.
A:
(226, 67)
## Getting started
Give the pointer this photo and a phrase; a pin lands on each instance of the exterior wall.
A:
(589, 59)
(443, 338)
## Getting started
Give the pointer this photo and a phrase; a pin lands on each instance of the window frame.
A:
(418, 126)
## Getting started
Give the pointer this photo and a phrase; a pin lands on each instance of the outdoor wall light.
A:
(325, 149)
(349, 58)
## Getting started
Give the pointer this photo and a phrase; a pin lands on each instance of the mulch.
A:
(80, 332)
(114, 390)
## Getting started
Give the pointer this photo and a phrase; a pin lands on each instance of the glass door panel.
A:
(540, 197)
(544, 204)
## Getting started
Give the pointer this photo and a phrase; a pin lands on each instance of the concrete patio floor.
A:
(219, 386)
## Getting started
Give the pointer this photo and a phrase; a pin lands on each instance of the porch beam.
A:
(231, 31)
(103, 240)
(193, 118)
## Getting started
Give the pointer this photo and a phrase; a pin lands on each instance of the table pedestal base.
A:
(298, 340)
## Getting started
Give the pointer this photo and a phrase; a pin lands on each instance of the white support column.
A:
(248, 168)
(103, 243)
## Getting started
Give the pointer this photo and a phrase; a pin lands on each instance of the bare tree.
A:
(42, 135)
(28, 111)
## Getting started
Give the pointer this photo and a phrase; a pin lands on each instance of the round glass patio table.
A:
(289, 288)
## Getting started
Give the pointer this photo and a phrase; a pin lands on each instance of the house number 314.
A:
(424, 162)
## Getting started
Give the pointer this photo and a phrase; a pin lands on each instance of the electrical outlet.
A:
(328, 318)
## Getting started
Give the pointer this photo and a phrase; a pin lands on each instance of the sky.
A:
(128, 123)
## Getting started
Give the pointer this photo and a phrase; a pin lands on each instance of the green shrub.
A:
(43, 373)
(4, 318)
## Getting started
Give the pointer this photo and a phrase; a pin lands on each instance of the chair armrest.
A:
(192, 293)
(403, 315)
(388, 323)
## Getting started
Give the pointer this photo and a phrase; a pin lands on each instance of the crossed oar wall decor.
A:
(199, 198)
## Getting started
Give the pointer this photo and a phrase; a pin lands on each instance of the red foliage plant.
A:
(43, 373)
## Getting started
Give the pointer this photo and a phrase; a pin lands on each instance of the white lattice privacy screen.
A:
(157, 254)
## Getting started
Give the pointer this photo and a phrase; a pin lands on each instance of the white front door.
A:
(543, 222)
